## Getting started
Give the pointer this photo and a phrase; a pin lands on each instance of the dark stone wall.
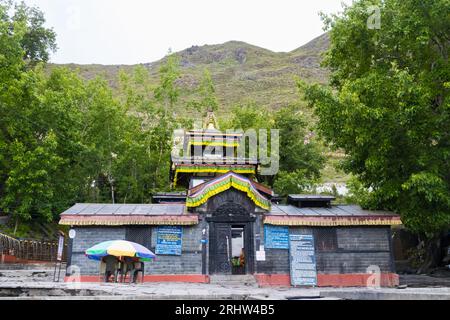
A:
(231, 196)
(356, 249)
(190, 262)
(85, 238)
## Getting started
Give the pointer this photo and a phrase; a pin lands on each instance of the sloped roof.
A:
(340, 215)
(127, 214)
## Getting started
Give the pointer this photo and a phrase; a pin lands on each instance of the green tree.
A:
(28, 144)
(249, 116)
(207, 95)
(301, 158)
(29, 186)
(388, 107)
(37, 40)
(26, 24)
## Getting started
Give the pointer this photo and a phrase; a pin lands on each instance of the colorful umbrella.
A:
(119, 248)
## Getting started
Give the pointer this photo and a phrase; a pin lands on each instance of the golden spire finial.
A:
(210, 120)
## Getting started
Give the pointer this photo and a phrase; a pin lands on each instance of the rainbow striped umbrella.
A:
(119, 248)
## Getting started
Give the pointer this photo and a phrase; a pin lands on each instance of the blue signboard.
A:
(303, 260)
(276, 237)
(168, 241)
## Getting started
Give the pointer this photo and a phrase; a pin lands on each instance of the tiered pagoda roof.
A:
(209, 152)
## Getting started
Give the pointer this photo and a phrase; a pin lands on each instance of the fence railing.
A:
(30, 249)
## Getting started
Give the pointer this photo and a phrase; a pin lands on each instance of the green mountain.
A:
(241, 72)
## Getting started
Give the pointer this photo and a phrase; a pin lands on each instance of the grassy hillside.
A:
(241, 72)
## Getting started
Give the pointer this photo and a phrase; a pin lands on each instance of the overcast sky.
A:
(138, 31)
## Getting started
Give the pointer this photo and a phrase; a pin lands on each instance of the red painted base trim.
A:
(273, 280)
(329, 280)
(6, 258)
(193, 278)
(267, 280)
(356, 280)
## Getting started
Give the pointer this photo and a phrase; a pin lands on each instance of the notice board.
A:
(169, 240)
(302, 260)
(276, 237)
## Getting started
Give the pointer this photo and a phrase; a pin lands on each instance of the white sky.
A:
(139, 31)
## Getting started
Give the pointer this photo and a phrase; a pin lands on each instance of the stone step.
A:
(226, 279)
(43, 275)
(28, 266)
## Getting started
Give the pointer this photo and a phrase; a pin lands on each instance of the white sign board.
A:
(72, 233)
(303, 260)
(60, 248)
(260, 255)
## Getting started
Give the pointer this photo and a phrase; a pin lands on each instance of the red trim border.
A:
(191, 278)
(6, 258)
(329, 280)
(267, 280)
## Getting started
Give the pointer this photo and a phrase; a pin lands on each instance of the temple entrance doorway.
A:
(231, 248)
(237, 249)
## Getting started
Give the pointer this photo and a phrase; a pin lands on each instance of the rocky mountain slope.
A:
(241, 72)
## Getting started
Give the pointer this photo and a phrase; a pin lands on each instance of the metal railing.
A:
(30, 249)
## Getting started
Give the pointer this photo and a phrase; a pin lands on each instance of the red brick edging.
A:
(192, 278)
(266, 280)
(6, 258)
(329, 280)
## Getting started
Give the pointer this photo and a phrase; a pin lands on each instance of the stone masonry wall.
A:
(357, 249)
(188, 263)
(85, 238)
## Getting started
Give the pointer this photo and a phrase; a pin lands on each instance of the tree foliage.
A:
(301, 158)
(206, 95)
(389, 108)
(65, 140)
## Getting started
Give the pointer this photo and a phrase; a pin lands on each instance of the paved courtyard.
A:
(38, 284)
(194, 291)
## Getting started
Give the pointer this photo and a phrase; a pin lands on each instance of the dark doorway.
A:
(230, 226)
(231, 249)
(220, 249)
(238, 249)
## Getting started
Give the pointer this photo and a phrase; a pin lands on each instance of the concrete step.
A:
(247, 279)
(42, 275)
(28, 266)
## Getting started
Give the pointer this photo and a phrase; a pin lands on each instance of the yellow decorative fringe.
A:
(208, 170)
(213, 143)
(123, 223)
(335, 222)
(226, 187)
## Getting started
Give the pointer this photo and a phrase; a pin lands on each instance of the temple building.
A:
(222, 221)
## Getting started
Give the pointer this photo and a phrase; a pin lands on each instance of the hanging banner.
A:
(303, 260)
(168, 241)
(276, 237)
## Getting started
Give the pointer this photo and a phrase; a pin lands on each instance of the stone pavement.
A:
(194, 291)
(148, 291)
(37, 284)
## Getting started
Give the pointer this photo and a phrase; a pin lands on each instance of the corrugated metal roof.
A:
(343, 215)
(334, 211)
(90, 209)
(310, 197)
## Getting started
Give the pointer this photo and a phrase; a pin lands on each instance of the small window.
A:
(325, 239)
(140, 235)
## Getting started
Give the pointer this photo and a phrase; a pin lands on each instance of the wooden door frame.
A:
(247, 223)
